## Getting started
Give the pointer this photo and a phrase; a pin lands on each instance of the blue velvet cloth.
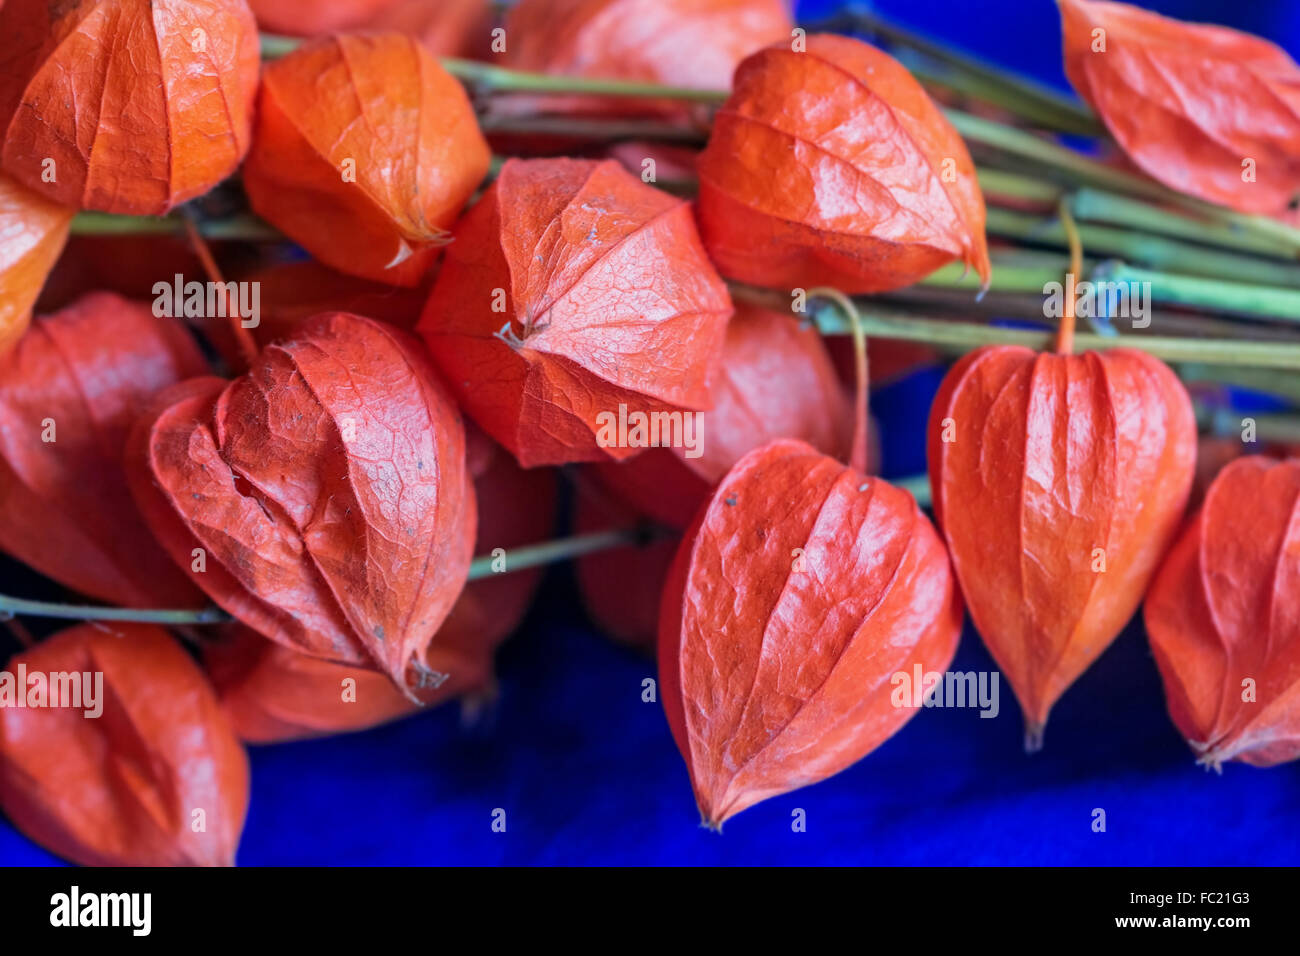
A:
(587, 772)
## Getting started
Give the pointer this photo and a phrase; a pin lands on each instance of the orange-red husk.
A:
(126, 106)
(364, 152)
(832, 167)
(572, 288)
(776, 380)
(324, 493)
(1223, 617)
(69, 394)
(1206, 110)
(1059, 482)
(800, 592)
(157, 779)
(33, 231)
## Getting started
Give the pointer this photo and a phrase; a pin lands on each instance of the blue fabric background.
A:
(588, 773)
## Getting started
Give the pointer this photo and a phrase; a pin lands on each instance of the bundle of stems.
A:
(1230, 278)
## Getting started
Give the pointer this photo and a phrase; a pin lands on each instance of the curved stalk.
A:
(517, 559)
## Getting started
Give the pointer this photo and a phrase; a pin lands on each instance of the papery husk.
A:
(803, 588)
(1059, 486)
(1223, 617)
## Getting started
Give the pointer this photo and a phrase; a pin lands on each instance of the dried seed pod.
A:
(128, 106)
(833, 167)
(33, 231)
(1205, 110)
(1223, 616)
(364, 152)
(321, 498)
(776, 381)
(574, 290)
(272, 693)
(1059, 482)
(685, 43)
(801, 590)
(155, 778)
(68, 395)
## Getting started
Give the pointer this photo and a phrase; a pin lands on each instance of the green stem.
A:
(517, 559)
(602, 130)
(1153, 251)
(1096, 205)
(1274, 381)
(1026, 146)
(78, 612)
(998, 183)
(244, 227)
(1028, 271)
(884, 323)
(561, 549)
(1237, 298)
(487, 78)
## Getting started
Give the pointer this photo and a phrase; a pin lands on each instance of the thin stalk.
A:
(517, 559)
(1095, 205)
(1266, 358)
(1001, 183)
(1025, 271)
(1273, 381)
(487, 78)
(1156, 252)
(1065, 332)
(248, 347)
(1041, 152)
(858, 455)
(1217, 420)
(1238, 298)
(602, 130)
(244, 227)
(79, 612)
(561, 549)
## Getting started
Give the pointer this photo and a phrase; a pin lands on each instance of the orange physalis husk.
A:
(364, 152)
(1059, 482)
(322, 498)
(803, 587)
(1223, 616)
(33, 231)
(684, 43)
(833, 167)
(621, 588)
(1206, 110)
(129, 786)
(127, 106)
(69, 393)
(574, 291)
(776, 381)
(273, 693)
